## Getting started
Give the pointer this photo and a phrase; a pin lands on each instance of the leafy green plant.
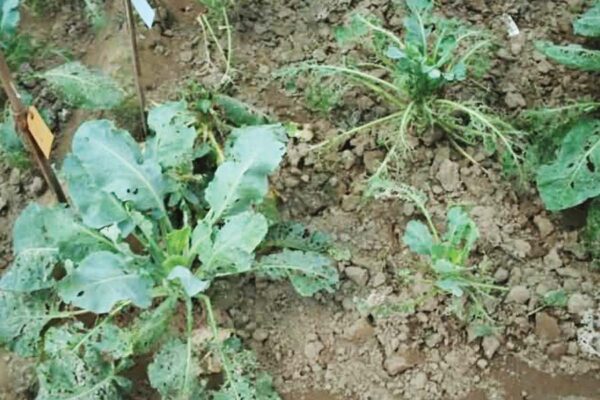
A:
(574, 55)
(412, 72)
(447, 254)
(145, 230)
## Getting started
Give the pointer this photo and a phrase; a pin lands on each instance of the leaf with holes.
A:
(296, 236)
(574, 176)
(571, 55)
(32, 270)
(102, 280)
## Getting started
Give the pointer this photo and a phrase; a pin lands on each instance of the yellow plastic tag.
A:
(39, 130)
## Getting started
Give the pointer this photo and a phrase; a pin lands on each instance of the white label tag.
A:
(146, 12)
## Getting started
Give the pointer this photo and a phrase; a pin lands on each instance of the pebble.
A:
(372, 160)
(360, 330)
(260, 335)
(348, 159)
(552, 259)
(448, 175)
(515, 100)
(546, 327)
(36, 187)
(518, 294)
(501, 275)
(358, 275)
(557, 350)
(312, 350)
(186, 56)
(490, 345)
(396, 364)
(544, 225)
(579, 303)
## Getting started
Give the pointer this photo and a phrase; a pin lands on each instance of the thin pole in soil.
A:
(137, 72)
(20, 115)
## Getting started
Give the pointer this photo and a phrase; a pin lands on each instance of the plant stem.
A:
(189, 326)
(226, 76)
(214, 37)
(208, 135)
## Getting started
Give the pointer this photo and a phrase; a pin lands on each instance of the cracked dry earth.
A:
(325, 348)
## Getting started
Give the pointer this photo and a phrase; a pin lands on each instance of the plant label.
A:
(145, 10)
(39, 130)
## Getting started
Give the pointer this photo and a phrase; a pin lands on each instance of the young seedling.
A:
(553, 298)
(447, 254)
(146, 231)
(411, 74)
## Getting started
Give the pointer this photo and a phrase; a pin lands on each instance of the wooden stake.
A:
(20, 115)
(137, 73)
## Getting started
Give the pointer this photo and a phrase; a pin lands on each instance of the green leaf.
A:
(461, 231)
(114, 160)
(591, 233)
(32, 270)
(555, 298)
(309, 272)
(96, 207)
(175, 134)
(239, 113)
(84, 88)
(69, 377)
(294, 235)
(234, 244)
(174, 371)
(190, 283)
(356, 29)
(152, 325)
(418, 238)
(574, 176)
(242, 180)
(571, 55)
(419, 6)
(23, 317)
(102, 280)
(589, 23)
(451, 286)
(178, 241)
(9, 16)
(395, 53)
(10, 141)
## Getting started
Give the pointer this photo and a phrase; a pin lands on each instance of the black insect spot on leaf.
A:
(80, 294)
(590, 165)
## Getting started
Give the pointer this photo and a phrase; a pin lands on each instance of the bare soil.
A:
(324, 348)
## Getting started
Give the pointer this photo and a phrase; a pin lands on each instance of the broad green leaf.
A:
(461, 231)
(152, 325)
(574, 176)
(418, 238)
(234, 244)
(84, 88)
(589, 23)
(242, 180)
(309, 272)
(96, 207)
(239, 113)
(68, 377)
(23, 317)
(174, 371)
(32, 270)
(178, 241)
(102, 280)
(294, 235)
(9, 16)
(175, 134)
(571, 55)
(115, 162)
(395, 53)
(190, 283)
(201, 239)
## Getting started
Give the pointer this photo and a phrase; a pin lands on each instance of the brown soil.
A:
(324, 348)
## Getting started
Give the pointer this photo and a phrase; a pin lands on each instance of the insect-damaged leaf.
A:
(32, 270)
(418, 238)
(174, 371)
(296, 236)
(571, 55)
(575, 175)
(84, 88)
(309, 272)
(173, 125)
(251, 155)
(115, 162)
(102, 280)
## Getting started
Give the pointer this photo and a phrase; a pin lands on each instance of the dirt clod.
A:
(518, 294)
(546, 327)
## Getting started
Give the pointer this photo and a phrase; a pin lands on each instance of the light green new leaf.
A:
(418, 238)
(234, 244)
(9, 16)
(461, 231)
(178, 241)
(356, 29)
(115, 162)
(589, 23)
(571, 55)
(575, 175)
(23, 317)
(190, 283)
(174, 372)
(96, 207)
(173, 125)
(32, 270)
(309, 272)
(84, 88)
(242, 180)
(68, 377)
(101, 281)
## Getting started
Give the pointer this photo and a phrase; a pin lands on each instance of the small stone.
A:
(313, 349)
(553, 260)
(546, 327)
(557, 350)
(348, 159)
(544, 225)
(448, 175)
(372, 160)
(378, 280)
(36, 187)
(419, 381)
(490, 345)
(360, 330)
(501, 275)
(358, 275)
(579, 303)
(260, 335)
(482, 363)
(396, 364)
(186, 56)
(515, 100)
(518, 294)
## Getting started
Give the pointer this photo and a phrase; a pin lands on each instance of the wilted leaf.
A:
(574, 176)
(83, 87)
(418, 238)
(309, 272)
(102, 280)
(571, 55)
